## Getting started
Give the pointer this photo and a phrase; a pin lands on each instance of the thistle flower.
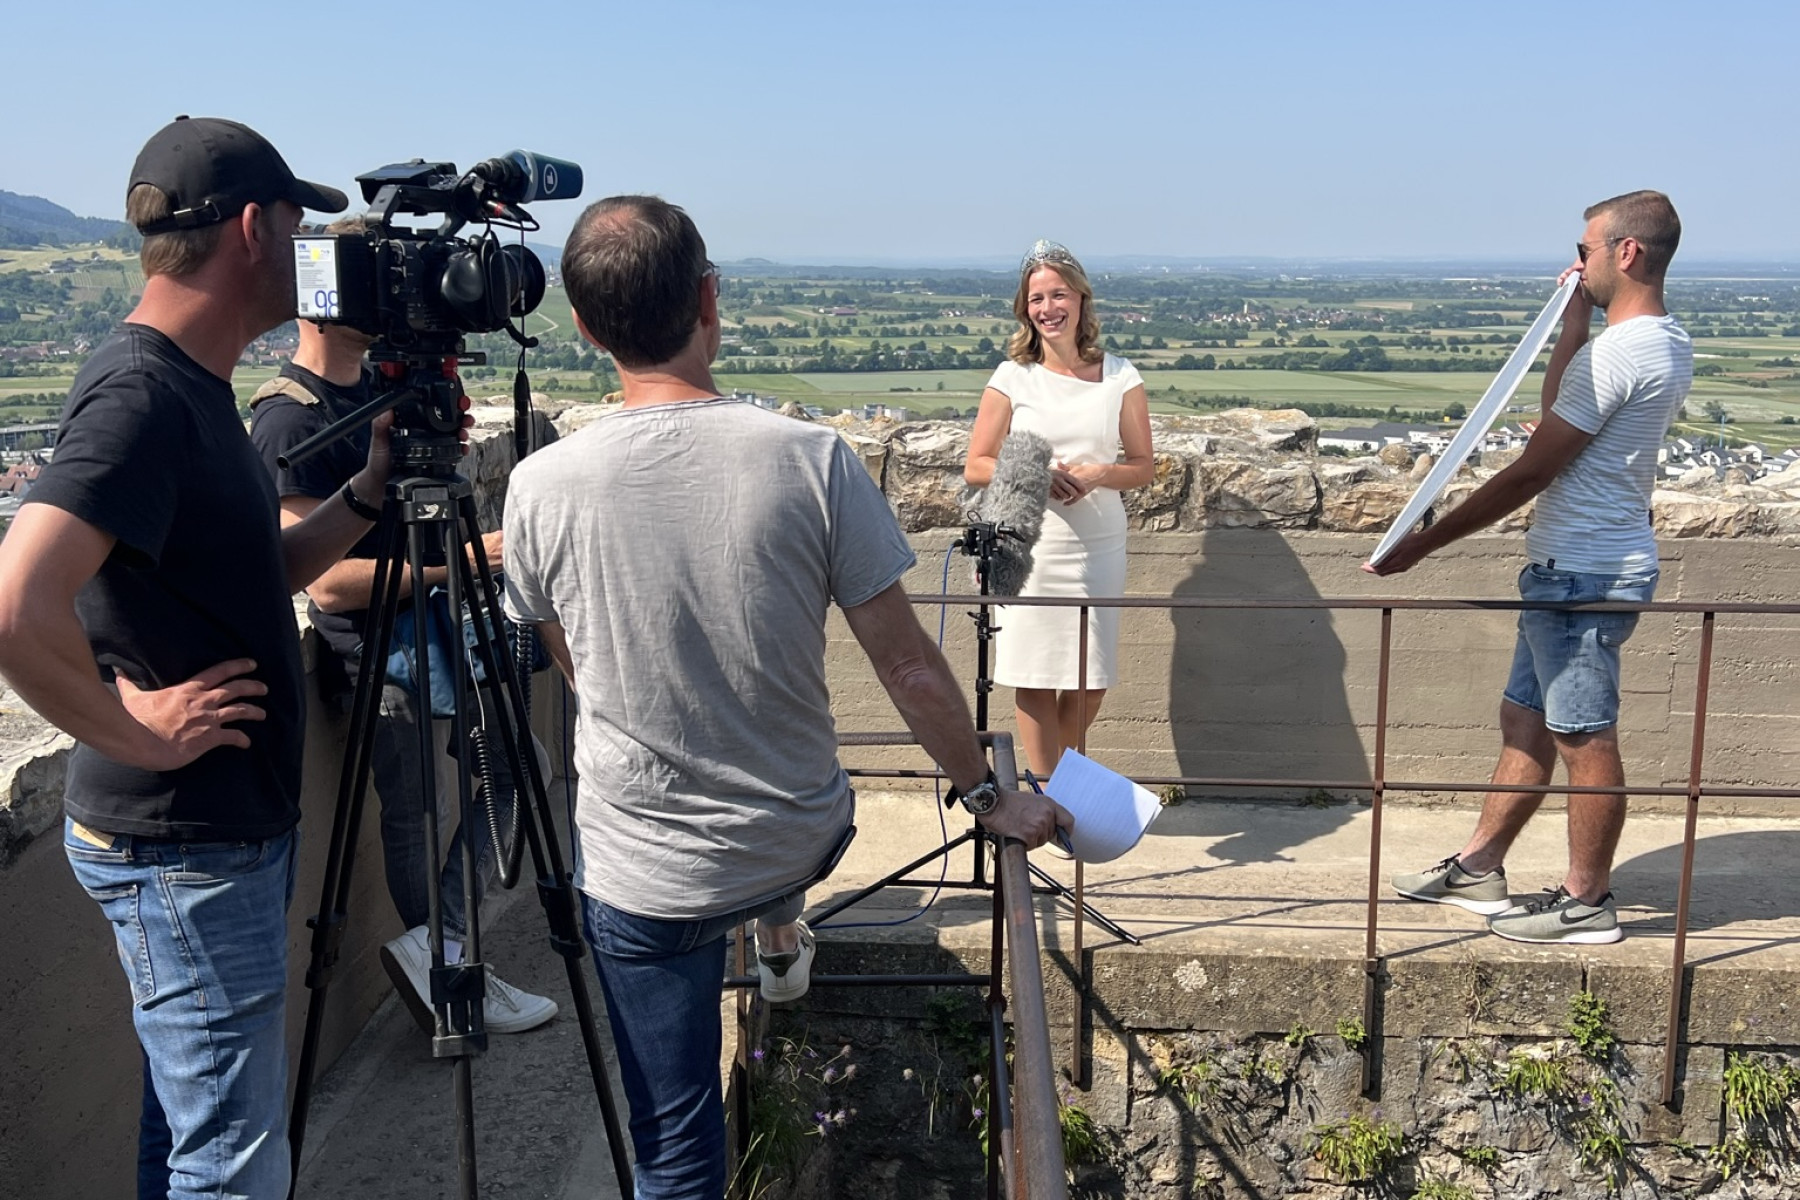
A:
(830, 1074)
(850, 1071)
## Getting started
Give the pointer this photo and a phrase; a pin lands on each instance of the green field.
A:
(1274, 342)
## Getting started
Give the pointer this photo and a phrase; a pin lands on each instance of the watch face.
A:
(981, 799)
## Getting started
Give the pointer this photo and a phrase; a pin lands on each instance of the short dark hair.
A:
(1647, 218)
(632, 268)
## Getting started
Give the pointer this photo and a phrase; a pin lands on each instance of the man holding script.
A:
(1591, 464)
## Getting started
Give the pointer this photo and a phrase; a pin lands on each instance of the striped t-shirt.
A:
(1624, 388)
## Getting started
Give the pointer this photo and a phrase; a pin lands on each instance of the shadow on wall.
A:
(1259, 694)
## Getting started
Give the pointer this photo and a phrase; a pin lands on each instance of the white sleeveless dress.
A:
(1082, 550)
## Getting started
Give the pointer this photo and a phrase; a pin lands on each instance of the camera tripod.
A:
(428, 519)
(979, 541)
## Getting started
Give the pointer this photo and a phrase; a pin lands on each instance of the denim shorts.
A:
(1566, 664)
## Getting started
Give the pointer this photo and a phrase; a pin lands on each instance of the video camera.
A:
(417, 292)
(409, 286)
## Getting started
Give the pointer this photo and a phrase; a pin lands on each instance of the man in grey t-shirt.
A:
(1592, 466)
(679, 557)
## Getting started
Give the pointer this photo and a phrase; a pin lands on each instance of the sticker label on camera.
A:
(316, 278)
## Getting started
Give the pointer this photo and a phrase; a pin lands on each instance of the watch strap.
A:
(354, 503)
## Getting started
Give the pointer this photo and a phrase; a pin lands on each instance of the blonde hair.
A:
(176, 253)
(1027, 345)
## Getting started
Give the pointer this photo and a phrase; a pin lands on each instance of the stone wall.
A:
(1241, 508)
(1239, 1077)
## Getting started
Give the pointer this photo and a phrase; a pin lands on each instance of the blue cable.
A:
(937, 788)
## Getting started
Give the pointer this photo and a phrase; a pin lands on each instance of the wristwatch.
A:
(980, 800)
(357, 505)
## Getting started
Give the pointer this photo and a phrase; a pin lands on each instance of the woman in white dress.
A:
(1090, 405)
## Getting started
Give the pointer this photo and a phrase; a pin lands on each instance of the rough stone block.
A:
(1519, 995)
(1147, 990)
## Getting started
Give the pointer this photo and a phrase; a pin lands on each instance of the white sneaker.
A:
(785, 977)
(505, 1009)
(407, 960)
(509, 1010)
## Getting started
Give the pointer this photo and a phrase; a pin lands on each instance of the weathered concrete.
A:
(1252, 921)
(1284, 693)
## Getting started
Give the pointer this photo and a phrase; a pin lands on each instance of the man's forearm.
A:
(1572, 339)
(931, 703)
(310, 547)
(51, 665)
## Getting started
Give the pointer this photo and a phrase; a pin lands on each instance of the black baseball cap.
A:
(211, 168)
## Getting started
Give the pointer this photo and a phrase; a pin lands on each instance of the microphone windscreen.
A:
(1015, 498)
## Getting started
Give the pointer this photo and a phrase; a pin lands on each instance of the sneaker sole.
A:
(1487, 908)
(409, 996)
(518, 1024)
(1582, 937)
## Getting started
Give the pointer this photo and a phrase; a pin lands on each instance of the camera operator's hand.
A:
(1028, 816)
(370, 483)
(188, 719)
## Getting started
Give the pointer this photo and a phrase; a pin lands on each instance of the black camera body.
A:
(418, 292)
(420, 289)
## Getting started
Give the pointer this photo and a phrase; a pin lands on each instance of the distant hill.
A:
(27, 221)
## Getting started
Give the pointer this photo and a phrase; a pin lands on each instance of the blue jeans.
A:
(663, 982)
(1566, 664)
(395, 772)
(201, 929)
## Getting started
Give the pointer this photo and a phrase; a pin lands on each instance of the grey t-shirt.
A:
(1624, 388)
(690, 552)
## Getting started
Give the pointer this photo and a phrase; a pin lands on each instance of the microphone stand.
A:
(979, 541)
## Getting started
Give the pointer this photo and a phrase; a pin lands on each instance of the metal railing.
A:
(1025, 1144)
(1379, 785)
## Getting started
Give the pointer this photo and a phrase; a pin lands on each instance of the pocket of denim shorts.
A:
(1615, 629)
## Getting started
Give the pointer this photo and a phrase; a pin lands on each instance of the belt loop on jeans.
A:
(1550, 564)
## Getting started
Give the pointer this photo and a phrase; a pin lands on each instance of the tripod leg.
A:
(328, 924)
(456, 992)
(556, 891)
(1061, 891)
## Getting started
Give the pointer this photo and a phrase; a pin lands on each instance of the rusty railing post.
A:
(1076, 1059)
(1371, 961)
(1678, 970)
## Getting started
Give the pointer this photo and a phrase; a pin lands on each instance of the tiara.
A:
(1045, 251)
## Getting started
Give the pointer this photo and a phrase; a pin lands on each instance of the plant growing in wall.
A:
(796, 1093)
(1358, 1150)
(1590, 1026)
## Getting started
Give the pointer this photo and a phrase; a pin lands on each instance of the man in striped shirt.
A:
(1592, 467)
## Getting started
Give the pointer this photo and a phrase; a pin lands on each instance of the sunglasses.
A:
(1582, 249)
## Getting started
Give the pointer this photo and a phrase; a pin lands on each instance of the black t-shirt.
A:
(151, 450)
(282, 421)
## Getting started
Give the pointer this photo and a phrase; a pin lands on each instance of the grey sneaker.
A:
(1448, 883)
(1559, 917)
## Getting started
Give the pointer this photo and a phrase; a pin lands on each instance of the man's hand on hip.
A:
(188, 719)
(1027, 816)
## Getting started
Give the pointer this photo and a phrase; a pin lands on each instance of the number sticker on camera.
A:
(316, 278)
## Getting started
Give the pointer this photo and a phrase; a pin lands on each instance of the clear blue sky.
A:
(917, 130)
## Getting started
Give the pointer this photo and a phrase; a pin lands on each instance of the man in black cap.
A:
(151, 554)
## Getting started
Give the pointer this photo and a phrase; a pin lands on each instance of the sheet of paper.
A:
(1480, 418)
(1111, 812)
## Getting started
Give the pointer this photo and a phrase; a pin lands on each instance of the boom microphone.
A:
(1015, 500)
